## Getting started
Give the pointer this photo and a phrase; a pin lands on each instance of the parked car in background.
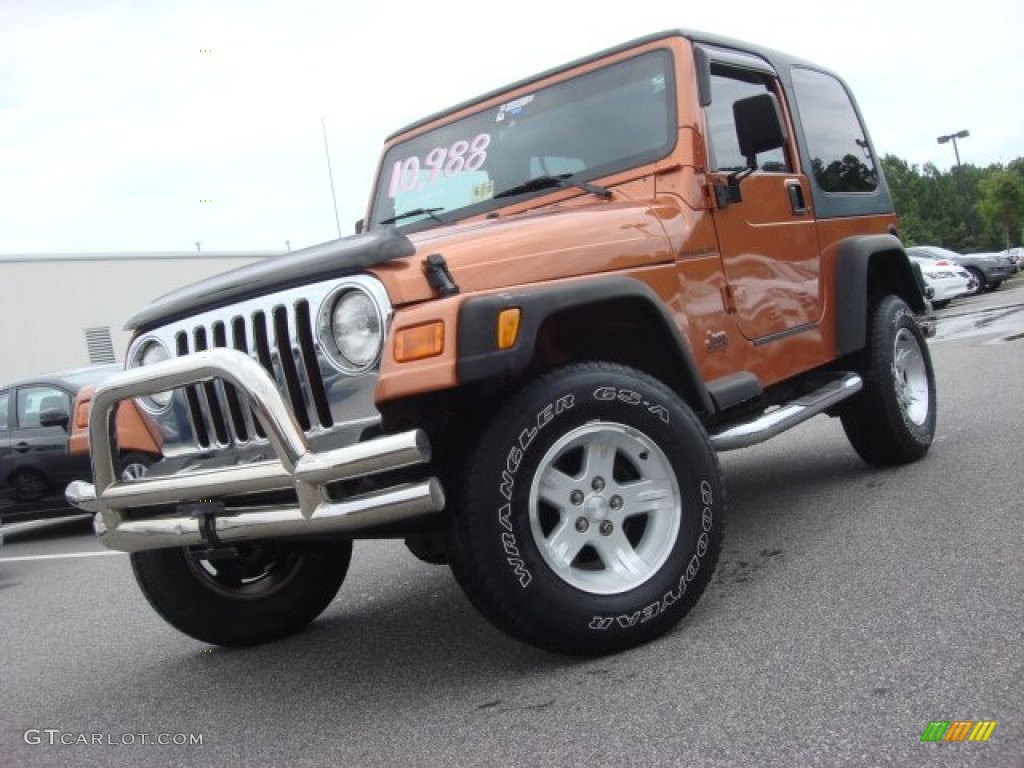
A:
(997, 267)
(139, 440)
(988, 268)
(1017, 256)
(947, 279)
(35, 418)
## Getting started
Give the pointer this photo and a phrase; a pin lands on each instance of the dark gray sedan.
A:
(34, 456)
(989, 269)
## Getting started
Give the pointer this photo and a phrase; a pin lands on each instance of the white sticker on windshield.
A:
(512, 107)
(483, 191)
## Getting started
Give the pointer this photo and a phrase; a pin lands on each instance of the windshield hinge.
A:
(440, 279)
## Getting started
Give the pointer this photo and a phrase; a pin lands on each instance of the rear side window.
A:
(33, 400)
(5, 398)
(841, 159)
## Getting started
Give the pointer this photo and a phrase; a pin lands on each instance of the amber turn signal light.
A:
(419, 341)
(508, 327)
(82, 414)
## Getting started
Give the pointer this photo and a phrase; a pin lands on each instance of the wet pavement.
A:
(1002, 324)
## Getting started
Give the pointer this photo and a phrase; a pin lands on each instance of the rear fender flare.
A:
(865, 266)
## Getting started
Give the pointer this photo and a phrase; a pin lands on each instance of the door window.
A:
(33, 400)
(729, 85)
(5, 398)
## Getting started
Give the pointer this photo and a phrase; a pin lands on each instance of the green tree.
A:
(1001, 203)
(965, 209)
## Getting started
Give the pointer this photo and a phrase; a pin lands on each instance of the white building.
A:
(68, 310)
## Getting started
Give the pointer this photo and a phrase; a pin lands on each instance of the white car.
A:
(947, 278)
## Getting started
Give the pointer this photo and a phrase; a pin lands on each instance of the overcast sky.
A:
(152, 125)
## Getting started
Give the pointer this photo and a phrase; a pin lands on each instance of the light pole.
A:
(958, 177)
(953, 137)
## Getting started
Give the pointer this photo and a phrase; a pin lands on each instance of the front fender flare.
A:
(480, 359)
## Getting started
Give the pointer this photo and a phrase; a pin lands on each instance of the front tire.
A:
(592, 514)
(134, 466)
(270, 591)
(980, 277)
(892, 419)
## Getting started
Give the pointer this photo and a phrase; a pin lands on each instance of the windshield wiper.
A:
(545, 182)
(416, 212)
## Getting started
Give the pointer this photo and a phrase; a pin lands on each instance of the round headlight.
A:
(356, 329)
(148, 352)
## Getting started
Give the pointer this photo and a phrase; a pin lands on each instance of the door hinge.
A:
(728, 299)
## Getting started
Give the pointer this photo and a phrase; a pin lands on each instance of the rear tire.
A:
(272, 590)
(892, 419)
(592, 514)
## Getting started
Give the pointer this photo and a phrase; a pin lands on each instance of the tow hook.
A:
(206, 511)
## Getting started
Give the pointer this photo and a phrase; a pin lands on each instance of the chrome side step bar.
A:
(777, 421)
(296, 467)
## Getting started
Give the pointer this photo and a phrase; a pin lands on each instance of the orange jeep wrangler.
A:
(138, 436)
(566, 297)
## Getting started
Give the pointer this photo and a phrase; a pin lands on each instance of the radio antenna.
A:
(330, 175)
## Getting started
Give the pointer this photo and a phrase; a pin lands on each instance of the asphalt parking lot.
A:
(851, 608)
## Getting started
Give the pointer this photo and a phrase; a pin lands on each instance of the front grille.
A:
(280, 337)
(279, 331)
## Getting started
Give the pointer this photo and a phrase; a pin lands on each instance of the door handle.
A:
(22, 447)
(796, 197)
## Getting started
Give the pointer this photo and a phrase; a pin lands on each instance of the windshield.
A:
(599, 123)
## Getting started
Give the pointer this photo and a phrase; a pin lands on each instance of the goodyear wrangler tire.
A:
(270, 591)
(892, 419)
(592, 515)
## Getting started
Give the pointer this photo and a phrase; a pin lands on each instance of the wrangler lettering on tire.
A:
(608, 519)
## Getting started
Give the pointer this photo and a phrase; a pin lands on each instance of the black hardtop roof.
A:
(778, 60)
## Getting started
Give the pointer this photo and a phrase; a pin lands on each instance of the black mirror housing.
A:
(54, 417)
(759, 126)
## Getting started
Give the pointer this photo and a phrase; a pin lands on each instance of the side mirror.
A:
(758, 126)
(359, 226)
(759, 129)
(54, 417)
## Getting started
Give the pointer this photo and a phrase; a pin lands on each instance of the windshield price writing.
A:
(413, 174)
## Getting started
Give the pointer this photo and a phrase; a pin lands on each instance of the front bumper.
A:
(120, 506)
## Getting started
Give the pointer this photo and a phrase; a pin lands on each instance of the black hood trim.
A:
(286, 270)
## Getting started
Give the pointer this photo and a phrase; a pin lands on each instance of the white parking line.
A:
(68, 556)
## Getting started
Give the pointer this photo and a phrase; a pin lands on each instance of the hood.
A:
(555, 242)
(309, 265)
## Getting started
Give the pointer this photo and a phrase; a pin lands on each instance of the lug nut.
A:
(598, 484)
(615, 502)
(582, 524)
(576, 497)
(606, 528)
